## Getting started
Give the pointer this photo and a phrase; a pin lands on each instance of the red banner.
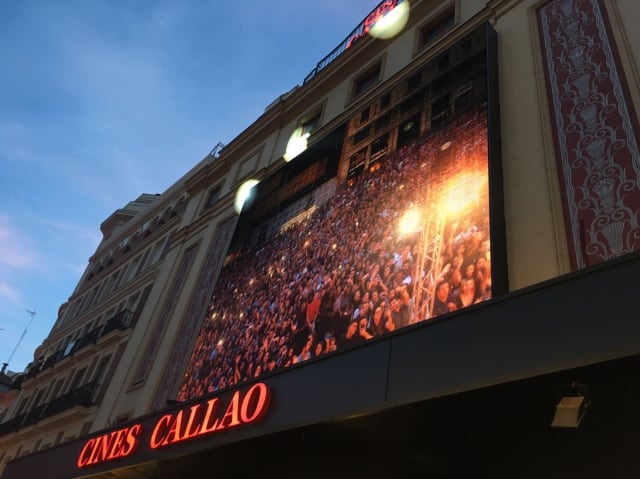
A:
(595, 131)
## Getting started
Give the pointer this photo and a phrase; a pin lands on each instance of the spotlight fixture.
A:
(572, 405)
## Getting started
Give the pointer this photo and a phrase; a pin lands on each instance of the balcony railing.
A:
(84, 396)
(33, 370)
(54, 358)
(121, 321)
(90, 338)
(17, 382)
(12, 425)
(361, 30)
(34, 415)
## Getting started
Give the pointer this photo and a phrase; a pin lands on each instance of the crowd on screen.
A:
(346, 274)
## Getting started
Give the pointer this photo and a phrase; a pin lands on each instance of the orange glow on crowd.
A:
(345, 273)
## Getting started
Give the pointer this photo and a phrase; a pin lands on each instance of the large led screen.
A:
(399, 236)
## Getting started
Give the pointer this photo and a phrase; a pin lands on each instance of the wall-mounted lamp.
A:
(571, 406)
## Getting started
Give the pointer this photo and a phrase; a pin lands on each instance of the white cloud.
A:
(14, 247)
(9, 293)
(91, 235)
(79, 242)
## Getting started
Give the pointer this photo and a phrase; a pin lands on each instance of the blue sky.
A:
(101, 100)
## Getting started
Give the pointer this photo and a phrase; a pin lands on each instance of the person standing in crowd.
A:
(399, 305)
(351, 336)
(467, 294)
(442, 302)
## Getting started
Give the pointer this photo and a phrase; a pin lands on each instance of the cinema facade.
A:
(433, 272)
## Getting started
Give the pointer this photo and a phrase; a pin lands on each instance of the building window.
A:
(68, 347)
(133, 267)
(440, 112)
(361, 135)
(358, 159)
(100, 369)
(131, 302)
(379, 146)
(213, 197)
(434, 29)
(382, 122)
(156, 252)
(110, 314)
(143, 261)
(385, 101)
(364, 115)
(443, 62)
(414, 81)
(23, 406)
(55, 390)
(39, 398)
(465, 47)
(368, 79)
(464, 98)
(356, 162)
(77, 379)
(307, 126)
(117, 278)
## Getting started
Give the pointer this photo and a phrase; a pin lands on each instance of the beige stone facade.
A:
(106, 358)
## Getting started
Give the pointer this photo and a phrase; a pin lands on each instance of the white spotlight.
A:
(243, 194)
(392, 22)
(296, 145)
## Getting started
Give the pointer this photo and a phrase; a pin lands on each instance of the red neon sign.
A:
(201, 419)
(120, 443)
(373, 18)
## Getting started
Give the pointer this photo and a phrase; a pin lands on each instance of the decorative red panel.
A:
(595, 131)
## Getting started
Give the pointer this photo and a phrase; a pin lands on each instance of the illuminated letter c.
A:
(85, 454)
(154, 442)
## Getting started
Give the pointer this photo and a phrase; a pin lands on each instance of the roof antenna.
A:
(33, 315)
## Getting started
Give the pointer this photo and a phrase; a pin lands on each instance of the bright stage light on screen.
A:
(462, 192)
(410, 222)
